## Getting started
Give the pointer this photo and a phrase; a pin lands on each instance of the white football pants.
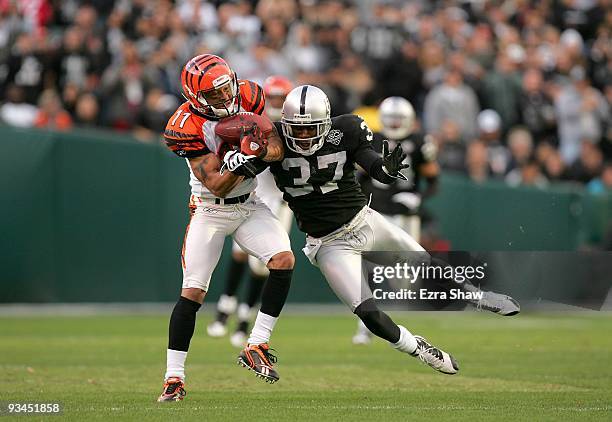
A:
(251, 224)
(338, 254)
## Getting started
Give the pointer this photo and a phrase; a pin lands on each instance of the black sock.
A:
(275, 292)
(182, 324)
(243, 326)
(234, 277)
(255, 287)
(377, 321)
(221, 317)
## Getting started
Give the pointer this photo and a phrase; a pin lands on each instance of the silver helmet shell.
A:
(306, 106)
(397, 118)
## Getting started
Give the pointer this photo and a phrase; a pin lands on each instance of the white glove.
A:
(408, 199)
(232, 160)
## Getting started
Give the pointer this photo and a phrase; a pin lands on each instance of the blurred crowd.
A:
(515, 90)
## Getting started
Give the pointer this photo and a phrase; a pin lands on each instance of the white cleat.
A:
(498, 304)
(362, 339)
(239, 339)
(216, 329)
(434, 357)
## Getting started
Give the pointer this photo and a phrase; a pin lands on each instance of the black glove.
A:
(392, 161)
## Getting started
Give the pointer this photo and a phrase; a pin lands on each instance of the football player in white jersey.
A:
(222, 204)
(276, 89)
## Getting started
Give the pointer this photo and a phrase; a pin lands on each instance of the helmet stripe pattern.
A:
(303, 100)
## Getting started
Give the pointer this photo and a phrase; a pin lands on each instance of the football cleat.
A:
(257, 358)
(497, 303)
(363, 336)
(174, 390)
(434, 357)
(362, 339)
(238, 339)
(216, 329)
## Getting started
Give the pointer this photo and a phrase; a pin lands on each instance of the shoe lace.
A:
(426, 348)
(172, 387)
(272, 358)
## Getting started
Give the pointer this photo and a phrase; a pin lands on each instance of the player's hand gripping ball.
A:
(245, 132)
(253, 142)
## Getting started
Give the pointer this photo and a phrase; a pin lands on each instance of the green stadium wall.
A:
(99, 217)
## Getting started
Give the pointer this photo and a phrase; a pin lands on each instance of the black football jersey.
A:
(419, 150)
(322, 189)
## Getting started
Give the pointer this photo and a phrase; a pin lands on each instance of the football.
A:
(230, 129)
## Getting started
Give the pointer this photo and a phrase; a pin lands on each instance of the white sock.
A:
(175, 364)
(362, 329)
(244, 312)
(262, 329)
(227, 304)
(406, 343)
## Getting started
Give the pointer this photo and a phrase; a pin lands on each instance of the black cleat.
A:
(257, 358)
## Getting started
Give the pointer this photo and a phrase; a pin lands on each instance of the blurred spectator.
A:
(87, 111)
(51, 115)
(528, 174)
(305, 57)
(124, 88)
(259, 62)
(581, 112)
(554, 167)
(520, 144)
(70, 95)
(477, 162)
(198, 15)
(544, 65)
(588, 165)
(15, 111)
(454, 101)
(153, 117)
(380, 36)
(401, 75)
(537, 109)
(451, 147)
(349, 82)
(501, 88)
(25, 67)
(602, 184)
(490, 127)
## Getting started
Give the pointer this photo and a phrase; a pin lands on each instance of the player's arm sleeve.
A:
(183, 137)
(260, 165)
(185, 145)
(364, 153)
(253, 96)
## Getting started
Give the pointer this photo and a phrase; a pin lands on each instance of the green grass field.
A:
(530, 367)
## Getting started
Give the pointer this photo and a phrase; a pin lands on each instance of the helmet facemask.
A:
(396, 126)
(221, 101)
(306, 119)
(306, 137)
(397, 118)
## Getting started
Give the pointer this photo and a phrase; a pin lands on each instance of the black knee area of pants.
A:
(234, 277)
(255, 287)
(377, 321)
(182, 324)
(275, 291)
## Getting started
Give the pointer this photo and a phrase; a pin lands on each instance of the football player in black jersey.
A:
(400, 202)
(317, 178)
